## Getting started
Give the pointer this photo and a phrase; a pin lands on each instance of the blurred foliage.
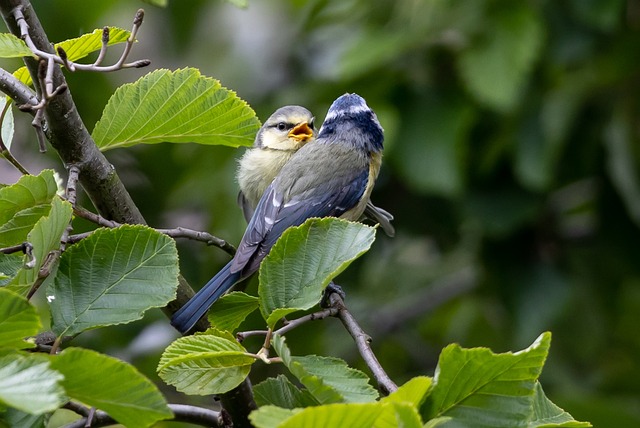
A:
(511, 166)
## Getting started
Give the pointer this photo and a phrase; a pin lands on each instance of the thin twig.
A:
(362, 339)
(62, 58)
(178, 232)
(44, 271)
(181, 413)
(71, 195)
(207, 238)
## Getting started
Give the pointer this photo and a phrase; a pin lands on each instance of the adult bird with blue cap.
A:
(282, 134)
(331, 176)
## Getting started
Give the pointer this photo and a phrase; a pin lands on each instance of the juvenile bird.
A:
(286, 130)
(281, 135)
(332, 175)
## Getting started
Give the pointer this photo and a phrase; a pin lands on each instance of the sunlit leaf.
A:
(243, 4)
(113, 277)
(123, 392)
(414, 391)
(13, 47)
(398, 414)
(18, 320)
(179, 106)
(30, 384)
(271, 416)
(476, 386)
(304, 260)
(205, 364)
(352, 415)
(228, 312)
(79, 47)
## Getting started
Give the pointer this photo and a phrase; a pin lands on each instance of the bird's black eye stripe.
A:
(283, 126)
(311, 122)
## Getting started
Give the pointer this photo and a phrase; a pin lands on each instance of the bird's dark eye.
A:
(311, 122)
(282, 126)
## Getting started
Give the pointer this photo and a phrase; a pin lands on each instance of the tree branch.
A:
(362, 339)
(181, 413)
(178, 232)
(69, 136)
(16, 90)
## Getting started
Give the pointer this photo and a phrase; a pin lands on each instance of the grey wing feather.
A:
(380, 216)
(244, 204)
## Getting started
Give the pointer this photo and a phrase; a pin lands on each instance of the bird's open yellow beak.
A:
(301, 132)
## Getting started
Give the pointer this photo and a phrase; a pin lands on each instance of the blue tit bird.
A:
(282, 134)
(331, 176)
(286, 130)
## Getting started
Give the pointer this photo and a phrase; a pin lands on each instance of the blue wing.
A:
(274, 214)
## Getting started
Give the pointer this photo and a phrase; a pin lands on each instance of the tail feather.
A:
(188, 315)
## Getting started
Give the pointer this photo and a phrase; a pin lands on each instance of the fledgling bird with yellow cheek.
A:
(331, 176)
(286, 130)
(282, 134)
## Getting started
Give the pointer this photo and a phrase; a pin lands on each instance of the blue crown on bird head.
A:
(352, 111)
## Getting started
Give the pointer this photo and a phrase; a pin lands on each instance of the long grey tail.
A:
(188, 315)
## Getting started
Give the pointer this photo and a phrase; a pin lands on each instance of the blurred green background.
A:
(511, 166)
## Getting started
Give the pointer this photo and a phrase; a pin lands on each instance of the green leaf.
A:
(18, 320)
(205, 364)
(413, 392)
(329, 380)
(304, 260)
(548, 415)
(79, 47)
(438, 422)
(397, 414)
(29, 384)
(13, 47)
(45, 237)
(15, 231)
(281, 392)
(17, 418)
(477, 387)
(242, 4)
(7, 124)
(496, 65)
(271, 416)
(10, 265)
(177, 107)
(228, 312)
(113, 277)
(30, 191)
(111, 385)
(352, 415)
